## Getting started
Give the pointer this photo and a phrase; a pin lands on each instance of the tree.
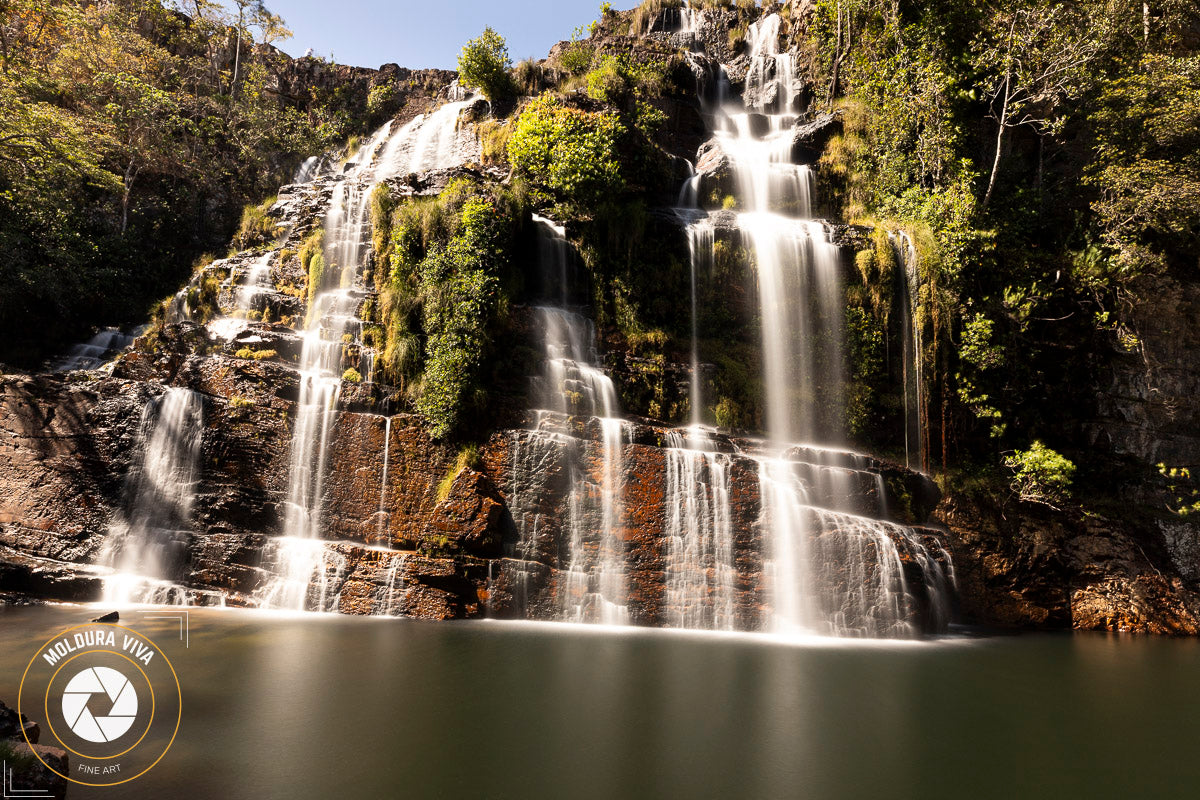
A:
(484, 64)
(1032, 59)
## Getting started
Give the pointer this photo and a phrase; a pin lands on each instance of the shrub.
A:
(1040, 474)
(570, 152)
(529, 77)
(484, 64)
(256, 227)
(381, 100)
(494, 135)
(352, 376)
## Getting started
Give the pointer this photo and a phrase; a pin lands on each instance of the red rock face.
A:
(496, 542)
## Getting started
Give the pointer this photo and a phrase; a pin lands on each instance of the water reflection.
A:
(326, 706)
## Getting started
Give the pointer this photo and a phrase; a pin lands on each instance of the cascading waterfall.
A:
(829, 569)
(304, 573)
(700, 569)
(573, 384)
(147, 541)
(256, 284)
(94, 352)
(383, 513)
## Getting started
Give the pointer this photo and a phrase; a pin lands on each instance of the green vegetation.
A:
(18, 763)
(1043, 159)
(484, 63)
(1040, 474)
(1184, 490)
(569, 152)
(256, 228)
(257, 355)
(352, 375)
(468, 458)
(131, 136)
(443, 298)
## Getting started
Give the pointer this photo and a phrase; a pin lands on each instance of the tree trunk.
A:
(237, 54)
(987, 197)
(837, 60)
(1146, 22)
(130, 176)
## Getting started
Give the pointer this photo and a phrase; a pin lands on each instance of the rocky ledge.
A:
(27, 774)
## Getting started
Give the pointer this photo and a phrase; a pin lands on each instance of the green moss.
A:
(257, 355)
(352, 376)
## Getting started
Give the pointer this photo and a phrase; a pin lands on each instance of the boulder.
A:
(17, 726)
(810, 138)
(471, 519)
(31, 774)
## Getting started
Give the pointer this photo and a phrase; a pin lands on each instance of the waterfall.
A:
(94, 352)
(700, 569)
(573, 384)
(148, 539)
(312, 168)
(256, 284)
(383, 513)
(829, 568)
(302, 572)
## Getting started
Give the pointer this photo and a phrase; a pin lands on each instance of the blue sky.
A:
(427, 33)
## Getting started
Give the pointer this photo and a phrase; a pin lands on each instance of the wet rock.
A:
(715, 170)
(810, 138)
(111, 616)
(17, 726)
(1030, 566)
(470, 520)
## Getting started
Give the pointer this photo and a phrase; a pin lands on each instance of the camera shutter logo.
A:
(100, 681)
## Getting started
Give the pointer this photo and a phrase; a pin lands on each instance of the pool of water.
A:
(325, 706)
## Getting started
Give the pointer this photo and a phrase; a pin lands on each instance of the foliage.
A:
(1147, 166)
(442, 296)
(1183, 488)
(256, 227)
(131, 137)
(1040, 474)
(352, 375)
(569, 152)
(1032, 60)
(484, 64)
(576, 57)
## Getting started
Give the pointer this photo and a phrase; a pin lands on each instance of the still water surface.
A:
(335, 707)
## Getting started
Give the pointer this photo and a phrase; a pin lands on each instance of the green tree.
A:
(484, 64)
(1032, 60)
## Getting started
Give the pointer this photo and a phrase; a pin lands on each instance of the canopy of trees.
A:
(131, 134)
